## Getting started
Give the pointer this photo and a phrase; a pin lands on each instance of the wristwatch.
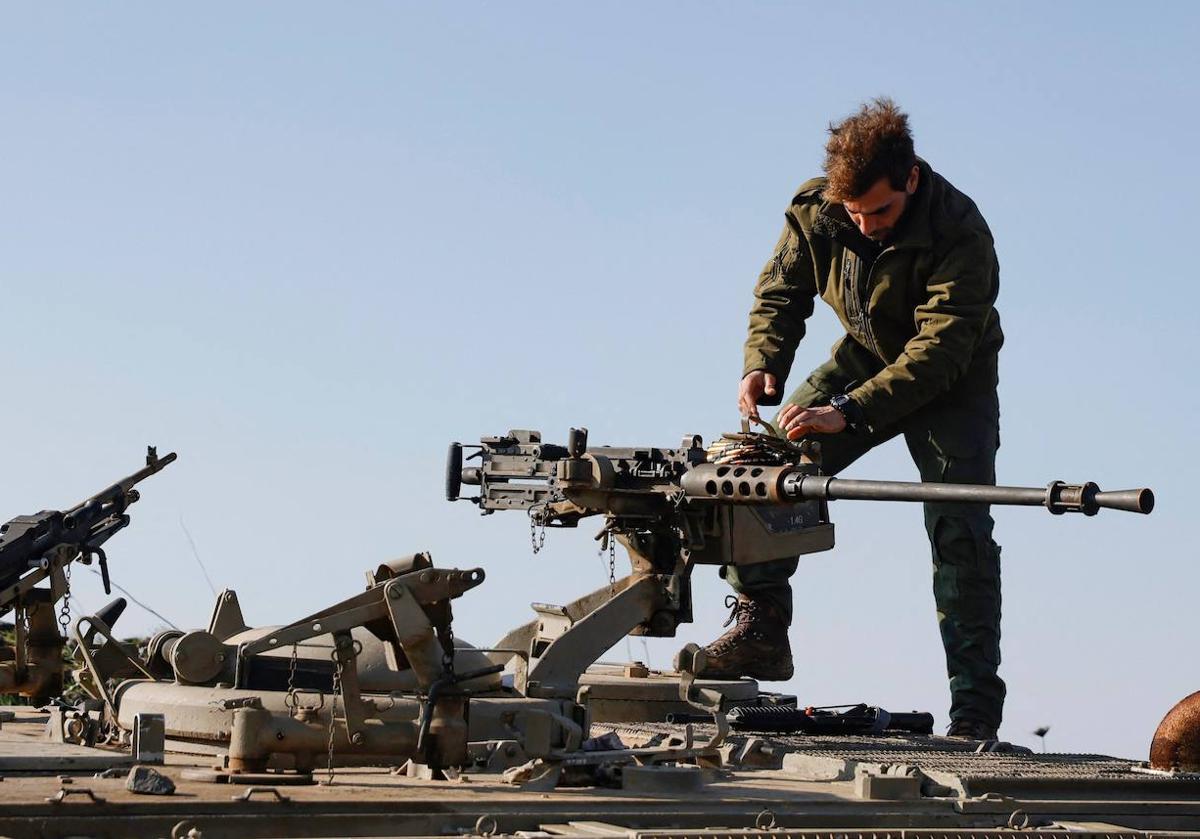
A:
(849, 409)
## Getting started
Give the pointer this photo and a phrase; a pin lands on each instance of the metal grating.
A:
(998, 833)
(932, 754)
(607, 830)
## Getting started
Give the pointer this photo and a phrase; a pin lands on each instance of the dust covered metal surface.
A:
(733, 802)
(602, 829)
(966, 767)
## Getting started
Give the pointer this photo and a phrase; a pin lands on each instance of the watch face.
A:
(845, 406)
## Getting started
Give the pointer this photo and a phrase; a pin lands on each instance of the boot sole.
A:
(760, 675)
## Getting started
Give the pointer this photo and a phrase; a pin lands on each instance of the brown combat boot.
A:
(756, 647)
(968, 729)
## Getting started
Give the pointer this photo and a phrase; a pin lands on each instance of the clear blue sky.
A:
(306, 245)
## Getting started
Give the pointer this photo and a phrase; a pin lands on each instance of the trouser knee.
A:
(966, 565)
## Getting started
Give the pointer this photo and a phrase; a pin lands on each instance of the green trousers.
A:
(950, 443)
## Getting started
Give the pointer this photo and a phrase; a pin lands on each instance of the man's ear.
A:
(913, 178)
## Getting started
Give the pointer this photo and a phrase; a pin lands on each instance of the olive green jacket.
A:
(921, 325)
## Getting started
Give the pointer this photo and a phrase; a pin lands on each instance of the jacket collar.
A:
(915, 229)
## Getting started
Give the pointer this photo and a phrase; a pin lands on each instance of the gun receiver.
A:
(672, 509)
(40, 546)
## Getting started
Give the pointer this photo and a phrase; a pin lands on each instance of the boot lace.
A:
(738, 607)
(746, 616)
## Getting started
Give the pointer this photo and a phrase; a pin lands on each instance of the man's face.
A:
(877, 210)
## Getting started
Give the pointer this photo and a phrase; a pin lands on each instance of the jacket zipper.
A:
(858, 296)
(850, 293)
(866, 319)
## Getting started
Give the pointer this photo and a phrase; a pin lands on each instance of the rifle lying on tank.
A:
(829, 719)
(43, 546)
(840, 719)
(747, 499)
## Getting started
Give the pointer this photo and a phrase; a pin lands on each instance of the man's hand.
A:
(754, 385)
(796, 422)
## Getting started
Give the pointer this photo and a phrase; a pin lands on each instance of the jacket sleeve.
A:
(950, 325)
(783, 299)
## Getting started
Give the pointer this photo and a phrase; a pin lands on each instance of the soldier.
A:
(907, 263)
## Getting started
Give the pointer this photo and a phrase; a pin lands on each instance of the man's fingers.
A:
(792, 414)
(800, 424)
(748, 392)
(746, 402)
(744, 399)
(798, 428)
(798, 432)
(753, 386)
(814, 421)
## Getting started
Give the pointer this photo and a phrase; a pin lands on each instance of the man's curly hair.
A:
(874, 143)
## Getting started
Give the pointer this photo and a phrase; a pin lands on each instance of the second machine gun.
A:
(41, 547)
(672, 509)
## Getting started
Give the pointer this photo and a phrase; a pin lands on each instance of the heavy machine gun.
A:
(746, 500)
(41, 547)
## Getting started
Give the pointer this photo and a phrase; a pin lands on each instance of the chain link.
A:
(608, 545)
(679, 499)
(337, 689)
(612, 564)
(537, 530)
(64, 614)
(290, 699)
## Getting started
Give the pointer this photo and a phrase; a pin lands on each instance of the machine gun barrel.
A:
(154, 465)
(775, 484)
(101, 508)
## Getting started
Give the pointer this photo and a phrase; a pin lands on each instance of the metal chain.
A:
(290, 699)
(608, 544)
(679, 499)
(612, 564)
(337, 689)
(64, 615)
(537, 530)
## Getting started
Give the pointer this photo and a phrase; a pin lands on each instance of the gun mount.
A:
(43, 546)
(674, 508)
